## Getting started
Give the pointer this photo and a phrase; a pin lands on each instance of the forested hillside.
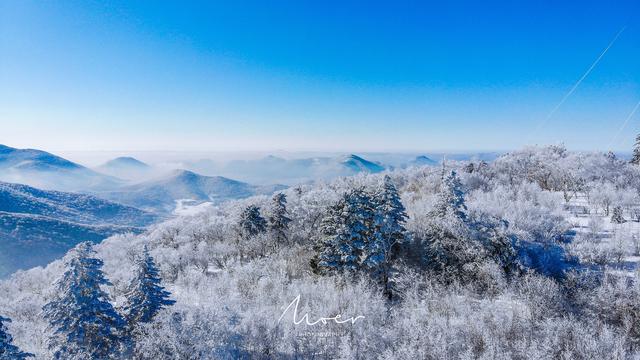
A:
(531, 256)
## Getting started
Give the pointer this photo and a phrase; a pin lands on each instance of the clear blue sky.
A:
(346, 76)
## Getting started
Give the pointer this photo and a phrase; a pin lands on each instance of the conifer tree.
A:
(451, 197)
(635, 159)
(616, 216)
(388, 232)
(84, 324)
(8, 351)
(345, 234)
(279, 219)
(146, 297)
(251, 222)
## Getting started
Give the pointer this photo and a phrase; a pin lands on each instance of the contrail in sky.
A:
(624, 125)
(575, 86)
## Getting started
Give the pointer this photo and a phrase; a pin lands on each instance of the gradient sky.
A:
(298, 75)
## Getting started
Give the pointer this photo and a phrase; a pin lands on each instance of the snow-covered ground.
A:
(189, 207)
(598, 237)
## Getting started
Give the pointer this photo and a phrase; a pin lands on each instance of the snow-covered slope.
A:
(79, 208)
(29, 240)
(44, 170)
(38, 226)
(161, 195)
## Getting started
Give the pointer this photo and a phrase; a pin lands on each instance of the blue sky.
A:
(336, 76)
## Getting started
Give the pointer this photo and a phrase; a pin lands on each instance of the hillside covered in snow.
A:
(38, 226)
(532, 256)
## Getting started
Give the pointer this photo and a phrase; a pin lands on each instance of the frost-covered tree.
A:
(616, 215)
(635, 159)
(451, 197)
(83, 323)
(8, 351)
(345, 233)
(491, 233)
(279, 218)
(450, 252)
(145, 297)
(388, 232)
(251, 222)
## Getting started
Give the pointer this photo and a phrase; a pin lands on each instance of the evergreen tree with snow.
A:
(345, 234)
(83, 323)
(451, 252)
(616, 216)
(388, 232)
(450, 198)
(491, 233)
(8, 351)
(279, 218)
(145, 297)
(635, 159)
(251, 222)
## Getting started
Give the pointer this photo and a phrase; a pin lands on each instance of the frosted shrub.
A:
(542, 296)
(588, 251)
(616, 302)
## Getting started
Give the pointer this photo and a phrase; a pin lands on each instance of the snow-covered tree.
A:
(635, 159)
(279, 218)
(145, 297)
(450, 250)
(8, 351)
(451, 197)
(490, 232)
(387, 233)
(251, 222)
(83, 323)
(616, 216)
(345, 234)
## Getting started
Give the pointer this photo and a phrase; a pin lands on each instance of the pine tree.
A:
(251, 222)
(616, 216)
(146, 297)
(8, 351)
(328, 257)
(491, 233)
(451, 252)
(636, 152)
(451, 197)
(388, 232)
(345, 234)
(84, 324)
(279, 220)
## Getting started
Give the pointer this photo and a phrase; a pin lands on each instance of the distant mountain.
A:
(44, 170)
(38, 226)
(125, 161)
(126, 168)
(422, 161)
(271, 168)
(358, 164)
(161, 195)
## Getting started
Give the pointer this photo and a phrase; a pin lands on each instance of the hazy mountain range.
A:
(44, 170)
(48, 204)
(160, 195)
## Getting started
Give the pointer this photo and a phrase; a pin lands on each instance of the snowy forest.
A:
(531, 256)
